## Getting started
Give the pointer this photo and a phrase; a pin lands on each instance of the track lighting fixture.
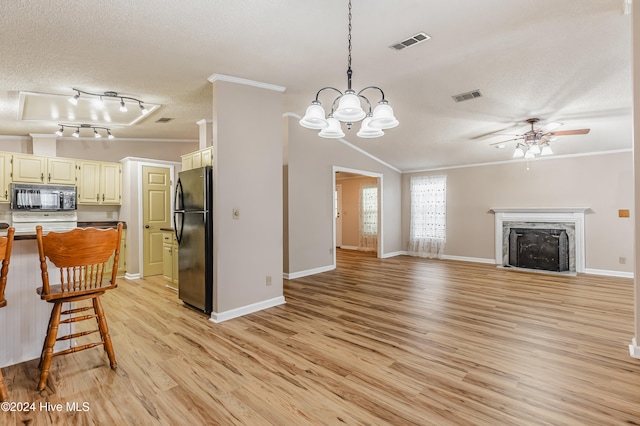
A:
(109, 94)
(76, 133)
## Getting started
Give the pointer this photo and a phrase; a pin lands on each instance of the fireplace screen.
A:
(544, 249)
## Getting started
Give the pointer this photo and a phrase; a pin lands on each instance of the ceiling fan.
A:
(536, 141)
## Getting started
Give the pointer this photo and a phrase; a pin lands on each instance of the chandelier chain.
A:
(349, 38)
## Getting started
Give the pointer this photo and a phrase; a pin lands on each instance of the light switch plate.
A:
(236, 213)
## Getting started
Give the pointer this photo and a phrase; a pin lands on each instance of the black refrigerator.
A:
(193, 224)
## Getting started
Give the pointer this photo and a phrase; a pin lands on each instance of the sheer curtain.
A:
(369, 217)
(428, 216)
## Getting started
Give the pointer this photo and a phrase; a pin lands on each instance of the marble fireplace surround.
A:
(571, 217)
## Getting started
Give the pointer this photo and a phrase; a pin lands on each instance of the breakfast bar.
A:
(24, 321)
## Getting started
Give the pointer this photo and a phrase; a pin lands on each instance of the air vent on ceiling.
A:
(411, 41)
(163, 120)
(466, 96)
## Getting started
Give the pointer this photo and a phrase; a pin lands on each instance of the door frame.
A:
(171, 166)
(338, 195)
(379, 177)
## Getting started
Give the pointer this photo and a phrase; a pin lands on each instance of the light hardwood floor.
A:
(394, 341)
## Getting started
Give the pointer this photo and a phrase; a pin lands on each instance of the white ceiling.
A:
(567, 61)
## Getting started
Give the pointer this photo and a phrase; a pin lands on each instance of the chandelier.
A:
(110, 94)
(347, 108)
(76, 133)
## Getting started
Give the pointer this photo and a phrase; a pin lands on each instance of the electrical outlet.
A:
(268, 280)
(622, 260)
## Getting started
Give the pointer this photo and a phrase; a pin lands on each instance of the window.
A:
(428, 216)
(369, 217)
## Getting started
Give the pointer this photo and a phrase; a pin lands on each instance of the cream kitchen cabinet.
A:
(170, 258)
(99, 182)
(201, 158)
(5, 176)
(29, 168)
(122, 264)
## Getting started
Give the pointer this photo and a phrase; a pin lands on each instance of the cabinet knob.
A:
(41, 177)
(49, 177)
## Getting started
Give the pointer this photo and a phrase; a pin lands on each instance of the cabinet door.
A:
(122, 260)
(187, 162)
(207, 156)
(29, 168)
(111, 183)
(5, 176)
(88, 174)
(61, 171)
(167, 262)
(197, 160)
(174, 258)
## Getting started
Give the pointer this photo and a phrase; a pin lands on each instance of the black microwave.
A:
(35, 197)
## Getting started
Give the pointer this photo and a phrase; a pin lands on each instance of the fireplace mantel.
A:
(573, 215)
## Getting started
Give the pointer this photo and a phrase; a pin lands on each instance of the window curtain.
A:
(369, 217)
(428, 216)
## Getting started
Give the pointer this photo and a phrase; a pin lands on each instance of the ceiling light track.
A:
(76, 133)
(109, 94)
(346, 108)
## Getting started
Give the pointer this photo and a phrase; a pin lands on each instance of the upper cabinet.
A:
(5, 176)
(99, 182)
(201, 158)
(29, 168)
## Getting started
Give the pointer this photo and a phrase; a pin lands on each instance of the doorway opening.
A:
(357, 210)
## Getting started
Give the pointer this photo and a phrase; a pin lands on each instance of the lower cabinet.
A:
(122, 264)
(170, 258)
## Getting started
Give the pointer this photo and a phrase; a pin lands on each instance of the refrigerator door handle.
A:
(177, 230)
(179, 196)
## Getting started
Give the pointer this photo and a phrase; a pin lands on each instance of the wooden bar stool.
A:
(81, 256)
(6, 244)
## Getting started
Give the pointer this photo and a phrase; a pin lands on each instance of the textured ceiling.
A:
(567, 61)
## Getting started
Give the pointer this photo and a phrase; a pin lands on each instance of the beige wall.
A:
(603, 183)
(248, 177)
(351, 209)
(310, 188)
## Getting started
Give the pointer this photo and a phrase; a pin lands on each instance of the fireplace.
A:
(542, 239)
(544, 249)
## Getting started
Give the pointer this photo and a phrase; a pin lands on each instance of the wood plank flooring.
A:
(397, 341)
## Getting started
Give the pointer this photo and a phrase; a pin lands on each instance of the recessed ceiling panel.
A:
(89, 110)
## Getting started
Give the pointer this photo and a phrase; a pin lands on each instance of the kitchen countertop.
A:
(93, 224)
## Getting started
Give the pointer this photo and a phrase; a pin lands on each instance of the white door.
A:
(337, 202)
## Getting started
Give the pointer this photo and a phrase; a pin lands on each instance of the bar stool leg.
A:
(49, 343)
(4, 393)
(104, 331)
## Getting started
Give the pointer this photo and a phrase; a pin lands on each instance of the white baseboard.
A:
(608, 273)
(300, 274)
(393, 254)
(634, 349)
(129, 276)
(469, 259)
(350, 247)
(248, 309)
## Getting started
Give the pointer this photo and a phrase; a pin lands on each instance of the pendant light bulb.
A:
(96, 134)
(74, 99)
(143, 109)
(60, 130)
(110, 136)
(76, 134)
(123, 107)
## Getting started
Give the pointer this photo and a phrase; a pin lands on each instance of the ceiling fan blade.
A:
(570, 132)
(496, 132)
(549, 127)
(508, 140)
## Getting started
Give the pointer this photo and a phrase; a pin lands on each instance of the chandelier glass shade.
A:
(347, 108)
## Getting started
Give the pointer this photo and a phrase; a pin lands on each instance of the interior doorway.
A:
(359, 225)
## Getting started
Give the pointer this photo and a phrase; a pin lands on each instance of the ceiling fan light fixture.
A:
(518, 153)
(546, 150)
(529, 155)
(534, 149)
